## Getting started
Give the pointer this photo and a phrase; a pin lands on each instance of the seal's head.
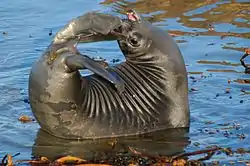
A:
(140, 36)
(136, 40)
(144, 42)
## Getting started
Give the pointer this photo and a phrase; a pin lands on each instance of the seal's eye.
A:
(133, 41)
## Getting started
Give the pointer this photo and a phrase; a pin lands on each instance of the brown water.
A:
(212, 36)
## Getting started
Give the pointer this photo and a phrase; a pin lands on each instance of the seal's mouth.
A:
(133, 16)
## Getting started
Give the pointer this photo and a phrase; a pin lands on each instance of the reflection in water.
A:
(225, 63)
(243, 81)
(166, 142)
(218, 63)
(194, 14)
(223, 71)
(196, 18)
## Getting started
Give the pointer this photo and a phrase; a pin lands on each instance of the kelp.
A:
(135, 160)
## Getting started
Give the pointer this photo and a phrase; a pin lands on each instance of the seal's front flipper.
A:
(83, 62)
(90, 27)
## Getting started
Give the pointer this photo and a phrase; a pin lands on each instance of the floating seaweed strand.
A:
(9, 159)
(181, 159)
(247, 68)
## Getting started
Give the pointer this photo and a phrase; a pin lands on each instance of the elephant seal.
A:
(154, 80)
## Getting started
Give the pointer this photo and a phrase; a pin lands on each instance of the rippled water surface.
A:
(212, 36)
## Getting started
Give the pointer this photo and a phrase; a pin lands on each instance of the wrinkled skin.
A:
(154, 95)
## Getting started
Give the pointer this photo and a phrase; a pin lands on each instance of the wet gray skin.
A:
(155, 97)
(90, 27)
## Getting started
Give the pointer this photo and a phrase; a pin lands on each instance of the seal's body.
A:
(155, 94)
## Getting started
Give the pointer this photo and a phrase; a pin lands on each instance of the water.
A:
(207, 32)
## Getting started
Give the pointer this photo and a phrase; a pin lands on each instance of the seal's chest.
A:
(140, 101)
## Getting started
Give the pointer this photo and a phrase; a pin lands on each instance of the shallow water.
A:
(207, 33)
